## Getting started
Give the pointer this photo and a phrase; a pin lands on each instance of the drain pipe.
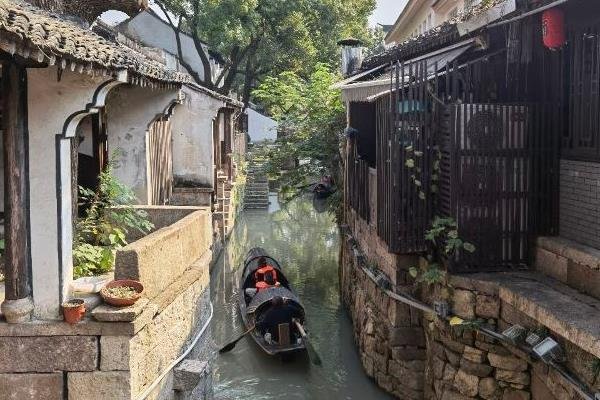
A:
(150, 388)
(579, 387)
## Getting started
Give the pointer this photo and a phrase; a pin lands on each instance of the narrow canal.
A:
(307, 245)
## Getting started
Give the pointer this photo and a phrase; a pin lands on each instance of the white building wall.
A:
(192, 124)
(130, 111)
(261, 127)
(153, 32)
(421, 17)
(51, 102)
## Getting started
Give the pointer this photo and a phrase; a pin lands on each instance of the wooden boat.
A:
(325, 188)
(257, 308)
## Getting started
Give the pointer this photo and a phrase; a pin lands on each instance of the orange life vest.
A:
(262, 285)
(259, 275)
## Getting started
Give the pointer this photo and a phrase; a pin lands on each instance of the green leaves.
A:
(109, 215)
(312, 118)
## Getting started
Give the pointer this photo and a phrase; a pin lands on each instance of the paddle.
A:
(305, 186)
(312, 353)
(230, 346)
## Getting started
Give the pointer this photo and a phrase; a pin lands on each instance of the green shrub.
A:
(109, 215)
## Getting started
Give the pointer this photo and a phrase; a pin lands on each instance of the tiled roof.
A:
(45, 37)
(435, 38)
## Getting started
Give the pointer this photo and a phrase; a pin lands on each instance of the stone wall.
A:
(101, 360)
(569, 262)
(416, 355)
(172, 248)
(388, 334)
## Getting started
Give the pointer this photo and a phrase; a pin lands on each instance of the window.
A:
(453, 13)
(429, 22)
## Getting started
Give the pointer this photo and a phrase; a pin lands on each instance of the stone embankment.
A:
(416, 355)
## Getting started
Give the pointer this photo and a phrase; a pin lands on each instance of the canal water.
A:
(307, 245)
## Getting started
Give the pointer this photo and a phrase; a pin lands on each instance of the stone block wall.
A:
(579, 201)
(172, 248)
(416, 355)
(569, 262)
(105, 360)
(192, 196)
(388, 334)
(465, 364)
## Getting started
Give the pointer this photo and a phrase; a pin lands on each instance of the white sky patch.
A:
(387, 11)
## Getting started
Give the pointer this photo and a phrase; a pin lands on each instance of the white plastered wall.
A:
(192, 123)
(261, 127)
(130, 110)
(51, 103)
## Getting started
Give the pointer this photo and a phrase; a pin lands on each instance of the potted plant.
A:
(73, 310)
(122, 293)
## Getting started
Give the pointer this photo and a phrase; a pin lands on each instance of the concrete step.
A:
(257, 203)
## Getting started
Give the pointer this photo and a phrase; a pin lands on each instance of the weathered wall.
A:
(130, 111)
(153, 32)
(388, 334)
(171, 249)
(118, 355)
(416, 355)
(51, 102)
(261, 127)
(579, 205)
(192, 124)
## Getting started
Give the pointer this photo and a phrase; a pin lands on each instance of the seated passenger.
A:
(263, 270)
(268, 282)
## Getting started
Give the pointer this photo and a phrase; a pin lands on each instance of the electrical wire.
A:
(150, 388)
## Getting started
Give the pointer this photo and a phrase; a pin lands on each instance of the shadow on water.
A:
(306, 243)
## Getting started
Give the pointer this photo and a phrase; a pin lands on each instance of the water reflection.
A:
(306, 243)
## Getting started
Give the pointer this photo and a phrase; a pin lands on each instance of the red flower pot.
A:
(74, 310)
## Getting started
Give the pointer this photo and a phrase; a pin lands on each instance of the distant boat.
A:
(256, 305)
(325, 188)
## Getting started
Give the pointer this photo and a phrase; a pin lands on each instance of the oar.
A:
(305, 186)
(312, 353)
(231, 345)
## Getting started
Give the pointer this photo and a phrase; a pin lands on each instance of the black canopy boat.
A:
(325, 188)
(273, 326)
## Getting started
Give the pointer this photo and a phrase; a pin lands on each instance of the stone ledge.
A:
(160, 258)
(108, 313)
(577, 252)
(563, 310)
(572, 263)
(87, 327)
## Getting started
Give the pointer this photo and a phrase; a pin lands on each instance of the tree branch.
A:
(177, 31)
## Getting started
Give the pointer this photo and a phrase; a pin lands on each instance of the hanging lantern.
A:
(553, 28)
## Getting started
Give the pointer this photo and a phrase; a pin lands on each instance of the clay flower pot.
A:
(122, 293)
(74, 310)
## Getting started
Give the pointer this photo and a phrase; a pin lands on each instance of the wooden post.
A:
(18, 304)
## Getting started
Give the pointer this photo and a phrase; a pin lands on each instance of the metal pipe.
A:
(150, 388)
(527, 14)
(575, 383)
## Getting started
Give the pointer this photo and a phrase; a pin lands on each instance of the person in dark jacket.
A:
(280, 312)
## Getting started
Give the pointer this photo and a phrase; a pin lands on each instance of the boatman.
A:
(280, 312)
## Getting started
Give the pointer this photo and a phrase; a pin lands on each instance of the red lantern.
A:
(553, 28)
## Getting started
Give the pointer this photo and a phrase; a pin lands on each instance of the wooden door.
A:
(160, 149)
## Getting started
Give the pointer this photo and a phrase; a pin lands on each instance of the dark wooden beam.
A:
(14, 126)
